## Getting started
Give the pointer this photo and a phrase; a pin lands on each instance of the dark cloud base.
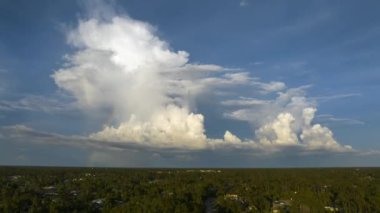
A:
(25, 146)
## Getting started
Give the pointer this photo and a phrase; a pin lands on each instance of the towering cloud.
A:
(119, 65)
(280, 131)
(287, 120)
(122, 68)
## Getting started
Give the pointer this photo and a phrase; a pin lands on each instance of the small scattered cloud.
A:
(256, 63)
(273, 86)
(370, 153)
(244, 101)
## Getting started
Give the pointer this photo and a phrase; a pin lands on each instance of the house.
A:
(15, 177)
(98, 203)
(331, 209)
(231, 196)
(50, 191)
(279, 205)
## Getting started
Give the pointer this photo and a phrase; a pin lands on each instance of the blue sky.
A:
(323, 55)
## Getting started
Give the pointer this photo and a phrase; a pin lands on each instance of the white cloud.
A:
(172, 127)
(244, 101)
(287, 120)
(291, 101)
(231, 138)
(318, 136)
(228, 152)
(122, 66)
(280, 131)
(273, 86)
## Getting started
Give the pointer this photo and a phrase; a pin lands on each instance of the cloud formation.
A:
(228, 152)
(150, 91)
(171, 127)
(122, 66)
(286, 120)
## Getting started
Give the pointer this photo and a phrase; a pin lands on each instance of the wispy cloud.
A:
(244, 101)
(273, 86)
(256, 63)
(331, 119)
(335, 97)
(35, 103)
(3, 83)
(243, 3)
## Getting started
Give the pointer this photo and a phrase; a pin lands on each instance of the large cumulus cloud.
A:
(121, 67)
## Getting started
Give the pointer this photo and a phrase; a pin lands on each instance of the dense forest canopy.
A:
(39, 189)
